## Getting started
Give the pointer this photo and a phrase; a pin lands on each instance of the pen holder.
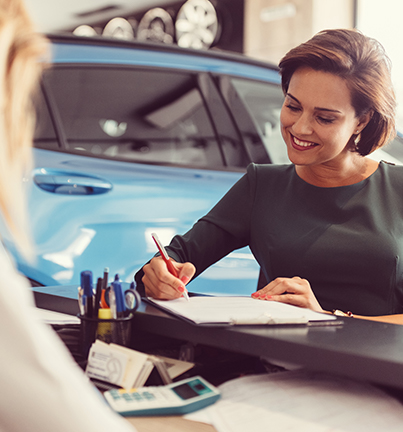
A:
(117, 331)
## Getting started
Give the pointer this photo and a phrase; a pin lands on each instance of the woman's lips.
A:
(302, 145)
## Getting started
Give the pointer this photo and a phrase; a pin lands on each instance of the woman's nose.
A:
(303, 125)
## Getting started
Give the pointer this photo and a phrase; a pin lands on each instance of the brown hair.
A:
(362, 62)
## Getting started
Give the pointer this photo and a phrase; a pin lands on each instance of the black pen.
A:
(88, 293)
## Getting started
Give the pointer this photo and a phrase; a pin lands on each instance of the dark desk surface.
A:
(361, 349)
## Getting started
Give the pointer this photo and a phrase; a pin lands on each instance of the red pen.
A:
(168, 262)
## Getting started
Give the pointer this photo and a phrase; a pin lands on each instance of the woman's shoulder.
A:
(390, 178)
(270, 169)
(270, 178)
(392, 170)
(270, 175)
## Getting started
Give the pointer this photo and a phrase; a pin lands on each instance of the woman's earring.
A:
(357, 138)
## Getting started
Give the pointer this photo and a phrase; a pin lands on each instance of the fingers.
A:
(280, 286)
(292, 299)
(295, 300)
(294, 291)
(159, 283)
(187, 271)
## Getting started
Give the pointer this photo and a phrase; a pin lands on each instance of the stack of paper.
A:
(56, 318)
(129, 368)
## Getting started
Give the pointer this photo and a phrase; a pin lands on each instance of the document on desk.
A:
(301, 401)
(56, 318)
(239, 310)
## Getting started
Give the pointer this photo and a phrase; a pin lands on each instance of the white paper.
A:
(301, 401)
(51, 317)
(135, 366)
(239, 310)
(106, 364)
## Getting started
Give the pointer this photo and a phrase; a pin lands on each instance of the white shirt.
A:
(41, 387)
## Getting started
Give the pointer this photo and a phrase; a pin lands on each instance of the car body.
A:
(138, 138)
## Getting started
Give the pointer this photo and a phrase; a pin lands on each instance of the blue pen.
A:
(87, 292)
(119, 299)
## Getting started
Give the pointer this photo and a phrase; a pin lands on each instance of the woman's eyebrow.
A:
(317, 108)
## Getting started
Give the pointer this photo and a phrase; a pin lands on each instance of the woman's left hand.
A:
(294, 291)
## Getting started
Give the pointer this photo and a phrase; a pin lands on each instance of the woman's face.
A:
(317, 118)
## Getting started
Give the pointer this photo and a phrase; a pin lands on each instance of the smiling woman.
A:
(363, 65)
(326, 229)
(318, 122)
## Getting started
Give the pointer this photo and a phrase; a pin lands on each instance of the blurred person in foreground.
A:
(42, 388)
(326, 229)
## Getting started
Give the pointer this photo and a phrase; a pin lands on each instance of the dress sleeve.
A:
(224, 229)
(42, 388)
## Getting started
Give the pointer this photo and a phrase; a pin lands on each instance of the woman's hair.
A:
(362, 62)
(21, 49)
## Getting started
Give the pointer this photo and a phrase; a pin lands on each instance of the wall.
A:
(382, 22)
(272, 27)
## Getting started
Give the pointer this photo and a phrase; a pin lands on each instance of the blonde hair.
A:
(20, 69)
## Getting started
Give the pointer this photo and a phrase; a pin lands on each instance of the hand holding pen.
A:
(171, 268)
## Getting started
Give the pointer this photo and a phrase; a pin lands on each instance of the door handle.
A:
(70, 183)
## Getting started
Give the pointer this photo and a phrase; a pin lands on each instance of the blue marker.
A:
(87, 292)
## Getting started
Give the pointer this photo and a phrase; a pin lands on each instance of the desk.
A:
(361, 349)
(367, 350)
(168, 424)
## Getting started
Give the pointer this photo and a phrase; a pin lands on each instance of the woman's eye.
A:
(325, 120)
(293, 108)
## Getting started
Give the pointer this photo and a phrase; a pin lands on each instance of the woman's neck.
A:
(329, 175)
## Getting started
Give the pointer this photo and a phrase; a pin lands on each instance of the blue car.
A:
(138, 138)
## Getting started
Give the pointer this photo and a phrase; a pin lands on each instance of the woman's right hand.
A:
(162, 285)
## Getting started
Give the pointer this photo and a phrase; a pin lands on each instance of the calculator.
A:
(178, 398)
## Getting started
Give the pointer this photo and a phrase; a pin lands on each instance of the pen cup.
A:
(109, 330)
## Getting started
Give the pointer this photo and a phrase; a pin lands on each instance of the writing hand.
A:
(160, 284)
(294, 291)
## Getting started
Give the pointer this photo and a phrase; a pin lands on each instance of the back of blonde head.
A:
(20, 69)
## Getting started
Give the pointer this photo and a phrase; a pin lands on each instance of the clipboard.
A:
(226, 311)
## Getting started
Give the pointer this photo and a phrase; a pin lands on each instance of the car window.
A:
(231, 142)
(256, 106)
(132, 114)
(45, 135)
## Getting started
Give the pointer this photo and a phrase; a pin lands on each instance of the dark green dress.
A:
(346, 241)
